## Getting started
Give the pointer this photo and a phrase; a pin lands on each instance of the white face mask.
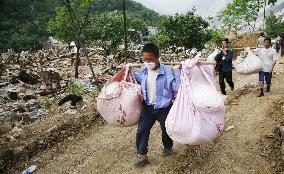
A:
(150, 65)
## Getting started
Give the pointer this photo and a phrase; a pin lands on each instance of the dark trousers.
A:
(265, 76)
(282, 46)
(228, 77)
(149, 115)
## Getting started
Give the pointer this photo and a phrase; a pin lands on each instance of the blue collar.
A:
(161, 71)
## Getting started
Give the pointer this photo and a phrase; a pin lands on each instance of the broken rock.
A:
(229, 128)
(13, 95)
(28, 78)
(17, 132)
(4, 126)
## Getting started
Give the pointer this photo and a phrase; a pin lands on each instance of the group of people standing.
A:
(264, 51)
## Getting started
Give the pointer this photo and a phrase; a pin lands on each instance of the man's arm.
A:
(176, 80)
(218, 57)
(275, 58)
(256, 51)
(272, 68)
(137, 75)
(257, 44)
(229, 56)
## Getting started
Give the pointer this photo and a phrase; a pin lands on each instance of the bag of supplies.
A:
(251, 64)
(197, 115)
(119, 102)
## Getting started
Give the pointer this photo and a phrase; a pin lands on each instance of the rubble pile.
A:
(30, 82)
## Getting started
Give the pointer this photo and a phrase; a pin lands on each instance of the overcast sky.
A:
(204, 8)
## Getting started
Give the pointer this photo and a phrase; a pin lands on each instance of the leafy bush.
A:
(216, 37)
(75, 88)
(274, 26)
(46, 104)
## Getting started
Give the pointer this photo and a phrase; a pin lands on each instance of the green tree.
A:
(72, 23)
(189, 30)
(216, 36)
(243, 12)
(240, 12)
(107, 30)
(274, 25)
(161, 40)
(23, 23)
(136, 27)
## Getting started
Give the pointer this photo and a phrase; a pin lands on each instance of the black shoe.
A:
(142, 161)
(261, 93)
(167, 152)
(268, 88)
(224, 93)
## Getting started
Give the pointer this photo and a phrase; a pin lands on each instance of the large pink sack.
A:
(197, 115)
(119, 102)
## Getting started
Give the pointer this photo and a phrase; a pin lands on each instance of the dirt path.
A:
(108, 149)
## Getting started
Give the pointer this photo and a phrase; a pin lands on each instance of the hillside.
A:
(133, 8)
(23, 24)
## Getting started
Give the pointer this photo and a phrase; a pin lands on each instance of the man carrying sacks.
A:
(268, 58)
(159, 84)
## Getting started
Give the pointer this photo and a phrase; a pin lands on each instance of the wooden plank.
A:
(252, 48)
(171, 63)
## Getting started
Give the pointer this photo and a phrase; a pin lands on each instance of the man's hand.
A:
(177, 67)
(271, 70)
(225, 50)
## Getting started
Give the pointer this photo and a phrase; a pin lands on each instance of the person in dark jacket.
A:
(282, 43)
(225, 66)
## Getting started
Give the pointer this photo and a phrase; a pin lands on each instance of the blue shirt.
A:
(167, 84)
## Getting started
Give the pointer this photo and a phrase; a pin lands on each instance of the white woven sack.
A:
(250, 65)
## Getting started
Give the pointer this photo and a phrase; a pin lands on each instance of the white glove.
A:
(223, 58)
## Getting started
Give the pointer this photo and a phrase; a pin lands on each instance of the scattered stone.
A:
(229, 128)
(71, 112)
(18, 150)
(29, 97)
(30, 169)
(269, 135)
(51, 129)
(34, 115)
(13, 95)
(17, 132)
(3, 83)
(4, 126)
(28, 78)
(281, 129)
(14, 117)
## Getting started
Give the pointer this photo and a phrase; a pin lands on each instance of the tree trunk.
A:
(264, 10)
(77, 63)
(252, 27)
(91, 66)
(125, 30)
